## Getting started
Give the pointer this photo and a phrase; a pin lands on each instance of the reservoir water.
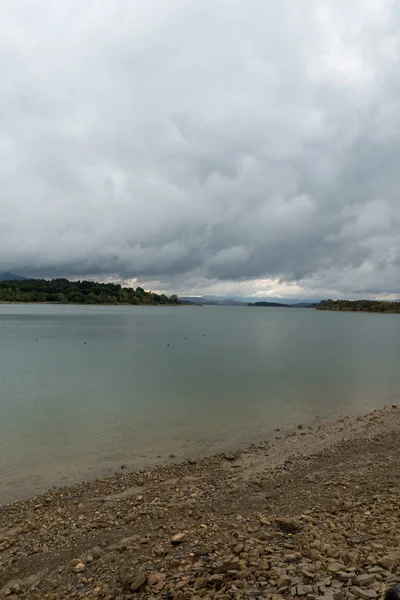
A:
(85, 389)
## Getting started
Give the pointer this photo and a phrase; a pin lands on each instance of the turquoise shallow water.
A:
(71, 410)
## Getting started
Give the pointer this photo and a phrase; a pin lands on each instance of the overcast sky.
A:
(203, 146)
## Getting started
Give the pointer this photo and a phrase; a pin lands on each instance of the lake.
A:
(85, 389)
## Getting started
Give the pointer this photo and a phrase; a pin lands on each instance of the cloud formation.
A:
(215, 146)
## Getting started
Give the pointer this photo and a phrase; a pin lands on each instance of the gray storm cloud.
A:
(202, 145)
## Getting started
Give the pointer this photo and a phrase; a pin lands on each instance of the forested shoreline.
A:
(62, 291)
(376, 306)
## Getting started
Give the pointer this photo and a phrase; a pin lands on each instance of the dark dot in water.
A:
(85, 342)
(167, 344)
(204, 335)
(172, 455)
(123, 466)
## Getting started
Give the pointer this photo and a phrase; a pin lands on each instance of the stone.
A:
(286, 524)
(390, 560)
(290, 558)
(144, 540)
(344, 576)
(97, 552)
(139, 581)
(79, 568)
(307, 574)
(284, 581)
(229, 456)
(377, 546)
(304, 590)
(364, 594)
(393, 593)
(335, 567)
(217, 578)
(229, 564)
(364, 579)
(200, 582)
(178, 538)
(152, 579)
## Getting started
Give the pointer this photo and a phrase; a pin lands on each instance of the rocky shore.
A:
(313, 515)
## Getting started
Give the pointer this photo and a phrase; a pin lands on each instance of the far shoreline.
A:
(2, 302)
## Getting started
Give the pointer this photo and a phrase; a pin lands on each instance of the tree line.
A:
(78, 292)
(377, 306)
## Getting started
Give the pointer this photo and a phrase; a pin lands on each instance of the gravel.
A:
(314, 516)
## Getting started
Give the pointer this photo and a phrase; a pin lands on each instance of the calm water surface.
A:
(71, 410)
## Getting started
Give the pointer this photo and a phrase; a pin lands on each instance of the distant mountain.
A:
(198, 300)
(278, 299)
(249, 300)
(226, 300)
(211, 301)
(12, 277)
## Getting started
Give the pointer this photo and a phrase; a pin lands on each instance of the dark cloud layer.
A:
(221, 145)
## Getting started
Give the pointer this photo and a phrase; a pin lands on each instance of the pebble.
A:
(286, 524)
(138, 581)
(390, 560)
(363, 593)
(341, 546)
(178, 538)
(230, 457)
(304, 590)
(364, 579)
(79, 568)
(335, 568)
(344, 576)
(97, 552)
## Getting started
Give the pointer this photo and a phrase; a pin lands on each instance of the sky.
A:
(223, 147)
